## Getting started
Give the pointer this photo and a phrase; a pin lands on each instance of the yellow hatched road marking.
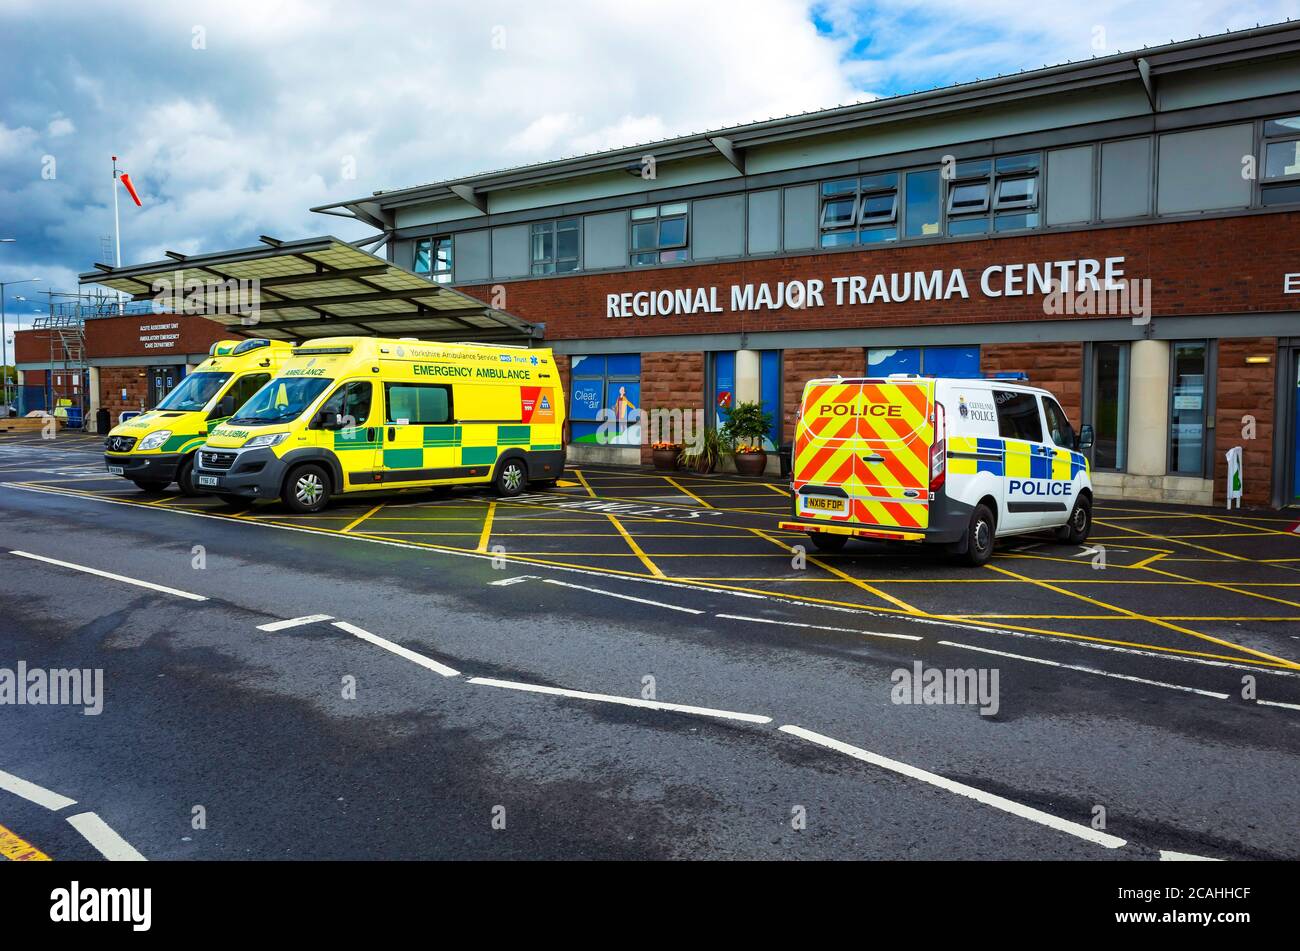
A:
(906, 608)
(583, 479)
(17, 849)
(685, 491)
(636, 549)
(1177, 541)
(357, 521)
(486, 534)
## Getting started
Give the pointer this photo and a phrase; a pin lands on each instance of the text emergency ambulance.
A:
(357, 414)
(157, 448)
(954, 462)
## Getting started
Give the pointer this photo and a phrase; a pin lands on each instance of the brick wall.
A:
(803, 365)
(1245, 390)
(669, 381)
(112, 380)
(1053, 366)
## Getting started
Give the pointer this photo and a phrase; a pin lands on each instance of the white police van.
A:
(951, 462)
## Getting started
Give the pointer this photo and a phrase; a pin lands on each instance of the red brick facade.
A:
(670, 381)
(1054, 366)
(113, 380)
(1245, 394)
(803, 365)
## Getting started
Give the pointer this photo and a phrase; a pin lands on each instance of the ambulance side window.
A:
(351, 401)
(1058, 426)
(240, 393)
(418, 403)
(1018, 416)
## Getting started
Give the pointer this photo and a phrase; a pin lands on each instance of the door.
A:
(419, 433)
(356, 443)
(1028, 467)
(1066, 462)
(1187, 408)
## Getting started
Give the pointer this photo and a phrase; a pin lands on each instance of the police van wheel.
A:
(150, 486)
(307, 490)
(1076, 530)
(185, 477)
(979, 536)
(826, 541)
(512, 477)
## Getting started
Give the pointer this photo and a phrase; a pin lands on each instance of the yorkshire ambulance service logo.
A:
(401, 351)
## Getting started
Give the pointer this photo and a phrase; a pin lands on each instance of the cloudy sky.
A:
(234, 117)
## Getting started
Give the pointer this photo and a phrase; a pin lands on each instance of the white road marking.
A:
(398, 649)
(294, 622)
(1279, 703)
(101, 835)
(1088, 670)
(625, 597)
(33, 793)
(1167, 856)
(818, 627)
(508, 581)
(624, 701)
(108, 574)
(961, 789)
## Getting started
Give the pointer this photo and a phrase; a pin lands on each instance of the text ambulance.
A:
(157, 448)
(358, 414)
(954, 462)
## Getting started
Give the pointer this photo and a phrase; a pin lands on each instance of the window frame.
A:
(434, 274)
(552, 227)
(388, 403)
(1016, 167)
(659, 218)
(849, 231)
(1280, 182)
(998, 402)
(339, 390)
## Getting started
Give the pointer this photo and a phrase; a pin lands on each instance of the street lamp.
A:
(4, 345)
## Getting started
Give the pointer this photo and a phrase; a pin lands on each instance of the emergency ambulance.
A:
(157, 448)
(359, 414)
(957, 463)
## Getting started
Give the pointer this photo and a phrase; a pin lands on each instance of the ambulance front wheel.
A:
(185, 477)
(979, 536)
(512, 477)
(825, 541)
(307, 490)
(1076, 530)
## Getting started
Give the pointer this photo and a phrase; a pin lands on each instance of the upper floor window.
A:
(659, 234)
(433, 258)
(1000, 194)
(860, 210)
(555, 246)
(1281, 179)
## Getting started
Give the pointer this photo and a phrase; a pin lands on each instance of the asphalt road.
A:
(464, 738)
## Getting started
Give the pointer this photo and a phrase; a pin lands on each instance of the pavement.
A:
(634, 665)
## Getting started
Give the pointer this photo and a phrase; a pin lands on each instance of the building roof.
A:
(1137, 67)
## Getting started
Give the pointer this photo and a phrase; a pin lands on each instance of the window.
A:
(433, 259)
(1007, 187)
(1018, 416)
(852, 203)
(243, 390)
(1109, 403)
(417, 403)
(555, 246)
(923, 189)
(351, 402)
(1280, 182)
(1187, 408)
(659, 234)
(1058, 425)
(956, 362)
(605, 399)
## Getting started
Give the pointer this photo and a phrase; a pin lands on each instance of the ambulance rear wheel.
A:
(185, 477)
(979, 536)
(1075, 531)
(825, 541)
(512, 478)
(307, 490)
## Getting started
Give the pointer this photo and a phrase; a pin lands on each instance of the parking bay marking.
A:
(294, 622)
(624, 597)
(112, 577)
(427, 662)
(818, 627)
(33, 793)
(623, 701)
(99, 834)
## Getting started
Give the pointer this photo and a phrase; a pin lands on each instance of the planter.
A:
(665, 460)
(751, 463)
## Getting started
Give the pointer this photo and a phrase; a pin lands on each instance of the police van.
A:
(157, 448)
(359, 414)
(951, 462)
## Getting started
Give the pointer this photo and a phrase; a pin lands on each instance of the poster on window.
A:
(587, 399)
(623, 416)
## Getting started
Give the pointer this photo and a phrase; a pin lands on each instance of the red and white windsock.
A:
(126, 180)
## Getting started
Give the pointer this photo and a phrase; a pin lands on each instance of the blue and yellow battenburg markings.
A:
(991, 455)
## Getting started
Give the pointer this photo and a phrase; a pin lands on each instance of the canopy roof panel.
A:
(315, 287)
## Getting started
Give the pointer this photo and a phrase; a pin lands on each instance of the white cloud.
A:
(60, 125)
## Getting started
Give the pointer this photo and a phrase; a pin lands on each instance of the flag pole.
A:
(117, 234)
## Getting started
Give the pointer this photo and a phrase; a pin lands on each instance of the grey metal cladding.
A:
(718, 228)
(1202, 170)
(764, 222)
(604, 240)
(510, 251)
(800, 230)
(1069, 185)
(470, 257)
(1126, 178)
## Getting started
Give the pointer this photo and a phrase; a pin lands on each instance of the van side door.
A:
(1028, 462)
(1067, 462)
(356, 440)
(419, 432)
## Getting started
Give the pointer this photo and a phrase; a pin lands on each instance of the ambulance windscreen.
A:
(280, 401)
(193, 392)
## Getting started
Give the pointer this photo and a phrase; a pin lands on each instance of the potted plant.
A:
(666, 455)
(745, 429)
(703, 454)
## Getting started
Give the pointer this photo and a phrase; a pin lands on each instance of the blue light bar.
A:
(1008, 375)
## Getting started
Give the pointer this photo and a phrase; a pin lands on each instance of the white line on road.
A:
(625, 701)
(294, 622)
(1088, 670)
(398, 649)
(99, 834)
(818, 627)
(625, 597)
(508, 581)
(112, 577)
(33, 793)
(961, 789)
(1167, 856)
(1279, 703)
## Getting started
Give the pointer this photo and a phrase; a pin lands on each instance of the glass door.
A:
(1110, 405)
(1187, 408)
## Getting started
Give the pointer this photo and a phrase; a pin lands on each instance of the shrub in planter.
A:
(704, 453)
(666, 455)
(744, 431)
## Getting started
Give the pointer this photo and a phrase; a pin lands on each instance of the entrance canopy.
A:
(315, 287)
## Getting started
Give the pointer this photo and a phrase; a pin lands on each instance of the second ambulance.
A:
(951, 462)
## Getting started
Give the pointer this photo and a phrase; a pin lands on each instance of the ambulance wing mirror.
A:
(327, 419)
(225, 407)
(1086, 437)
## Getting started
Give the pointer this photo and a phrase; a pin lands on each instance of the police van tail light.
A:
(938, 450)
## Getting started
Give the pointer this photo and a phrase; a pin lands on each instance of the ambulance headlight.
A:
(263, 442)
(154, 440)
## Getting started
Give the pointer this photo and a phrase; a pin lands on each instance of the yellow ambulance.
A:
(157, 448)
(360, 414)
(954, 462)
